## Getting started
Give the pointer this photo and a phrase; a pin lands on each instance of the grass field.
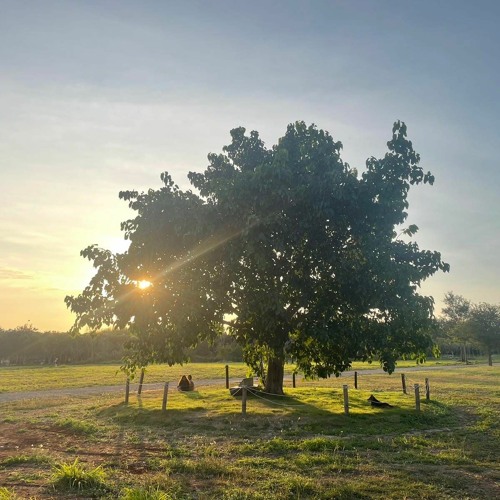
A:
(50, 377)
(34, 378)
(294, 447)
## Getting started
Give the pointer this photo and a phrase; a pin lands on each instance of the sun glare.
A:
(143, 284)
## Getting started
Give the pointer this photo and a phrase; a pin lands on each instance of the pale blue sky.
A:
(99, 96)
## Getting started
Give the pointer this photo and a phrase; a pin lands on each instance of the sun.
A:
(143, 284)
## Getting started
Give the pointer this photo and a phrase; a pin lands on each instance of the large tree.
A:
(288, 248)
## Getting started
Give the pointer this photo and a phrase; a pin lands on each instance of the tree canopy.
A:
(289, 249)
(454, 321)
(465, 322)
(485, 324)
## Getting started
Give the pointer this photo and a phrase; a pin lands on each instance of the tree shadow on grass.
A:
(289, 415)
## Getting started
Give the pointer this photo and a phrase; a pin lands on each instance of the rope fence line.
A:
(410, 380)
(155, 386)
(271, 394)
(159, 385)
(151, 384)
(256, 393)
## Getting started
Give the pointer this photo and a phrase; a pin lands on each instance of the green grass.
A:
(15, 460)
(6, 494)
(144, 494)
(84, 428)
(74, 476)
(298, 446)
(19, 378)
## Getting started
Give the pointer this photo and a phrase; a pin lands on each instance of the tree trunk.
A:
(490, 358)
(275, 373)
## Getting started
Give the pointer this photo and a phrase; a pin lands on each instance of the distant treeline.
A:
(26, 345)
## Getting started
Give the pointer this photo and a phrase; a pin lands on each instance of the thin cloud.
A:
(14, 274)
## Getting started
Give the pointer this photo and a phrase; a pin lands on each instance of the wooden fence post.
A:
(141, 381)
(227, 376)
(127, 390)
(403, 383)
(165, 396)
(427, 390)
(293, 380)
(355, 380)
(417, 397)
(346, 400)
(244, 401)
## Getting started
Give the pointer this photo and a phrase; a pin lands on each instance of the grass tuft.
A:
(6, 494)
(72, 476)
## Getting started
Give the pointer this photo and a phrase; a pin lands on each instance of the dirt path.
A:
(7, 397)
